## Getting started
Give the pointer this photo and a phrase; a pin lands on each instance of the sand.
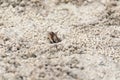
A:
(90, 34)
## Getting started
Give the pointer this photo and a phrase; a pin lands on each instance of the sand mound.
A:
(90, 34)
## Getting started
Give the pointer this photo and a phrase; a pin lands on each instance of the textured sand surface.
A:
(90, 34)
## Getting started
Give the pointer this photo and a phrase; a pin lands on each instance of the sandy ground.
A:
(90, 34)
